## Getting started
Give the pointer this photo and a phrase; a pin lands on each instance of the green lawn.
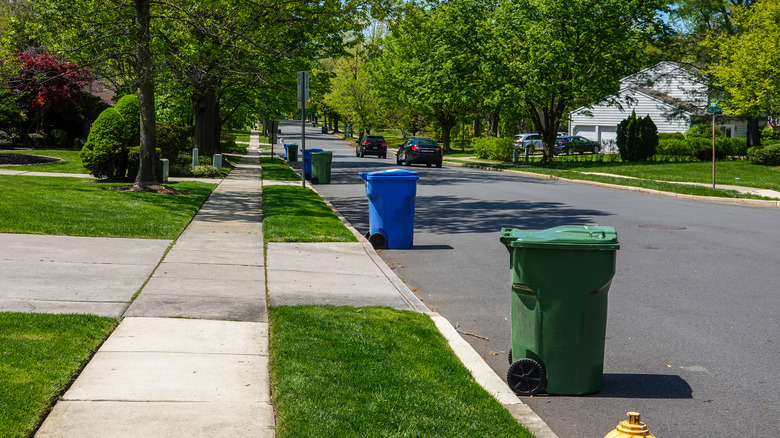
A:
(739, 172)
(71, 206)
(275, 169)
(658, 174)
(71, 161)
(297, 214)
(39, 357)
(374, 372)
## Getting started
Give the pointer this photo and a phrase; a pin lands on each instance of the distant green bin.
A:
(320, 167)
(291, 152)
(560, 280)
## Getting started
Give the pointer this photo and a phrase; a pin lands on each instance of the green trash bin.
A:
(291, 152)
(320, 167)
(560, 280)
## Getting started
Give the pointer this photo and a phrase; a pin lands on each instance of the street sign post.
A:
(303, 100)
(713, 109)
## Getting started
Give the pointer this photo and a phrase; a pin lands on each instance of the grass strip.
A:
(687, 189)
(297, 214)
(275, 169)
(378, 372)
(69, 206)
(71, 161)
(39, 356)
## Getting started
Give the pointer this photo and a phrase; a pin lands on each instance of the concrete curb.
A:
(732, 201)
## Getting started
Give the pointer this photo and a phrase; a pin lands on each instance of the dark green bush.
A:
(227, 141)
(134, 160)
(5, 140)
(768, 155)
(37, 139)
(130, 110)
(493, 148)
(58, 138)
(637, 138)
(105, 152)
(170, 141)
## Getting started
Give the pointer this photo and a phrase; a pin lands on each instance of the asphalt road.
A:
(693, 308)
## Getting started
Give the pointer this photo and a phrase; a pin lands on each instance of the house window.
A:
(727, 130)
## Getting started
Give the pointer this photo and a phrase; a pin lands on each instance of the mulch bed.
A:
(12, 159)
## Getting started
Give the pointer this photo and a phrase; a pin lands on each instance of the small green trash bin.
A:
(560, 280)
(291, 152)
(320, 167)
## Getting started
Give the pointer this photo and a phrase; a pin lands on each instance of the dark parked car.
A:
(372, 145)
(419, 150)
(574, 143)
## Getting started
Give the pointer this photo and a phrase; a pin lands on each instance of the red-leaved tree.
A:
(43, 82)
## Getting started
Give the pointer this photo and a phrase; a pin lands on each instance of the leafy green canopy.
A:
(557, 55)
(749, 76)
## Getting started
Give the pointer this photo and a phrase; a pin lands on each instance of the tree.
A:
(561, 54)
(750, 78)
(42, 82)
(430, 62)
(352, 94)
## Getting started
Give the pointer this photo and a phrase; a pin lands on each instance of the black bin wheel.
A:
(526, 377)
(377, 240)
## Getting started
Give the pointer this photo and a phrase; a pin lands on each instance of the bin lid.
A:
(291, 144)
(321, 152)
(563, 237)
(312, 150)
(392, 174)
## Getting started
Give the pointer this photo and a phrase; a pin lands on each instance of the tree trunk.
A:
(492, 124)
(206, 129)
(446, 121)
(336, 121)
(144, 69)
(753, 133)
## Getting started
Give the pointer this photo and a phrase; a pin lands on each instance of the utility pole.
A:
(303, 101)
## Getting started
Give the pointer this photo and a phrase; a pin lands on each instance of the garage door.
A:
(588, 132)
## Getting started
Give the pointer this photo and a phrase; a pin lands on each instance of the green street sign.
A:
(714, 108)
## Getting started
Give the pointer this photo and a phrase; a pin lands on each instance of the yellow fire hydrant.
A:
(631, 427)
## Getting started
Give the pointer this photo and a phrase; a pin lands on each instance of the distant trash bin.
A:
(307, 161)
(291, 152)
(320, 167)
(324, 129)
(560, 280)
(391, 197)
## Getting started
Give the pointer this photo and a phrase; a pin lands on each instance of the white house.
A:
(670, 93)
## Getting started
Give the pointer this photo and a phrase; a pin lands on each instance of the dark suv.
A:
(419, 150)
(372, 145)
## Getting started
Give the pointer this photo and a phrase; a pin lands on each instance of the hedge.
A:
(768, 155)
(692, 147)
(493, 148)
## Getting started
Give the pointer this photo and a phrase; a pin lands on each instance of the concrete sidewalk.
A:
(190, 357)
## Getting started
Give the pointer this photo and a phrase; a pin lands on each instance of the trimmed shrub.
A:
(5, 140)
(227, 141)
(703, 130)
(37, 139)
(670, 136)
(702, 147)
(130, 110)
(105, 154)
(134, 160)
(58, 138)
(637, 138)
(169, 141)
(205, 172)
(767, 155)
(493, 148)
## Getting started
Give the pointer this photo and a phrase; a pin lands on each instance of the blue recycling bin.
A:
(307, 161)
(391, 196)
(291, 152)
